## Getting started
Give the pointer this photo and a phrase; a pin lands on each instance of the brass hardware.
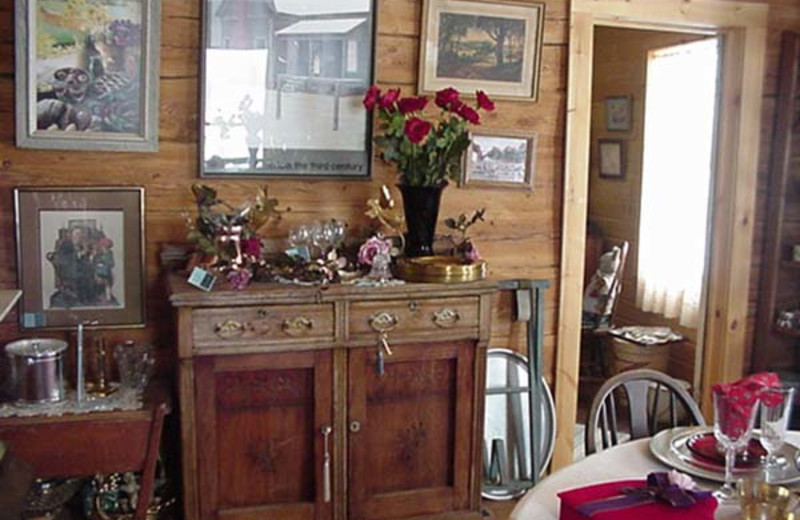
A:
(296, 327)
(229, 329)
(413, 306)
(355, 426)
(383, 321)
(446, 318)
(326, 464)
(383, 350)
(262, 313)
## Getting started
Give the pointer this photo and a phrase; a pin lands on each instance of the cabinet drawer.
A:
(409, 317)
(269, 324)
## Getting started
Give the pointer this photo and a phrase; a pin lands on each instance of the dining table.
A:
(631, 460)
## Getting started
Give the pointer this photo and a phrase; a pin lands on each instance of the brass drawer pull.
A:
(446, 318)
(229, 329)
(296, 327)
(383, 321)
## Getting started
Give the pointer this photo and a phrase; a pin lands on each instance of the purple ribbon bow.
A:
(658, 489)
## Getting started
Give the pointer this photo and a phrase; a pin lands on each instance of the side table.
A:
(86, 444)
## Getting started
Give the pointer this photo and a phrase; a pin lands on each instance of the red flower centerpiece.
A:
(427, 152)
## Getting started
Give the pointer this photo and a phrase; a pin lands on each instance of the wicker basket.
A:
(626, 355)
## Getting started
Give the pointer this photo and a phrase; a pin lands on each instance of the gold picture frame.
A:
(80, 256)
(495, 46)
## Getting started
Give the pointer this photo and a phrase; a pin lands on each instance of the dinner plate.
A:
(669, 446)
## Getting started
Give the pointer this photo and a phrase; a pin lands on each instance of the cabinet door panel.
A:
(411, 455)
(259, 421)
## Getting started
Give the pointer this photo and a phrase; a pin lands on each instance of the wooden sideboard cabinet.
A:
(288, 412)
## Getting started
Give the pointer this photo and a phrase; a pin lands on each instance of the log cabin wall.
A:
(521, 238)
(620, 69)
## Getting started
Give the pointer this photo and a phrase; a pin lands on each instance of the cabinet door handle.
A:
(446, 318)
(296, 327)
(355, 426)
(383, 322)
(326, 465)
(229, 329)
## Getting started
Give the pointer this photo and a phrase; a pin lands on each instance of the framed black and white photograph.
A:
(618, 113)
(611, 158)
(87, 74)
(503, 159)
(80, 256)
(495, 46)
(282, 86)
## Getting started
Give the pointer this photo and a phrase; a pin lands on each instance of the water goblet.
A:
(733, 426)
(776, 405)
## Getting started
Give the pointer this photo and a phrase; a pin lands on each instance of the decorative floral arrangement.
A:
(426, 153)
(462, 245)
(227, 238)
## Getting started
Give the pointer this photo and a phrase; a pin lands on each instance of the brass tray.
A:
(439, 269)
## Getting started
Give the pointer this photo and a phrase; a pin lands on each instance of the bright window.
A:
(678, 160)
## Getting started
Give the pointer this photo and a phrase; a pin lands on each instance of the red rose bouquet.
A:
(427, 153)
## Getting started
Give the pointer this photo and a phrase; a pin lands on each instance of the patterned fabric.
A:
(743, 396)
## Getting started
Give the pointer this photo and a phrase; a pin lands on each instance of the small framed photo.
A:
(500, 159)
(87, 74)
(611, 158)
(491, 45)
(80, 256)
(618, 113)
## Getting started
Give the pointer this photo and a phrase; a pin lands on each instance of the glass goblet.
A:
(776, 405)
(733, 426)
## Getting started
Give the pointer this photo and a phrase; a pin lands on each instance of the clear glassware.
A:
(134, 362)
(776, 406)
(733, 427)
(300, 236)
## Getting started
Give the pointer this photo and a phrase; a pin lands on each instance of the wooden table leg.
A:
(149, 469)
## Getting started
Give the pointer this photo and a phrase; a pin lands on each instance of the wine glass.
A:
(776, 405)
(299, 236)
(733, 426)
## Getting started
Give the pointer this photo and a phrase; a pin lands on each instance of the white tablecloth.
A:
(631, 460)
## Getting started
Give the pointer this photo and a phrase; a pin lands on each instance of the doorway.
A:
(649, 182)
(742, 25)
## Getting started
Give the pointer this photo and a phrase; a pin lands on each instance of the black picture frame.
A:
(299, 77)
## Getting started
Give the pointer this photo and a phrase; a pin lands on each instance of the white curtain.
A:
(680, 108)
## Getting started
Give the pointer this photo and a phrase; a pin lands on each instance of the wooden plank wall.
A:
(620, 66)
(520, 239)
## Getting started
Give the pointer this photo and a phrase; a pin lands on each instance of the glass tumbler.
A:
(135, 363)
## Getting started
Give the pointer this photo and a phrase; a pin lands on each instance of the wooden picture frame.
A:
(619, 116)
(508, 69)
(281, 93)
(87, 75)
(611, 158)
(500, 158)
(80, 256)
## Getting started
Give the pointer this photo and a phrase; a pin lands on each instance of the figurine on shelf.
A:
(375, 253)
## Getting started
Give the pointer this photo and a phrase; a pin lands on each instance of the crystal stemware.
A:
(776, 405)
(733, 426)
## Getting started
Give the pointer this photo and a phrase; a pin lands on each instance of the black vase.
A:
(421, 206)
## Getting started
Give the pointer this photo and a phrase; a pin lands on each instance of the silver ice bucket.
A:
(37, 370)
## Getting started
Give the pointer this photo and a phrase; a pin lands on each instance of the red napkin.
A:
(744, 395)
(702, 510)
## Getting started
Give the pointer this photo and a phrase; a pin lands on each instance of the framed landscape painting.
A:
(503, 159)
(87, 74)
(471, 45)
(282, 85)
(80, 256)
